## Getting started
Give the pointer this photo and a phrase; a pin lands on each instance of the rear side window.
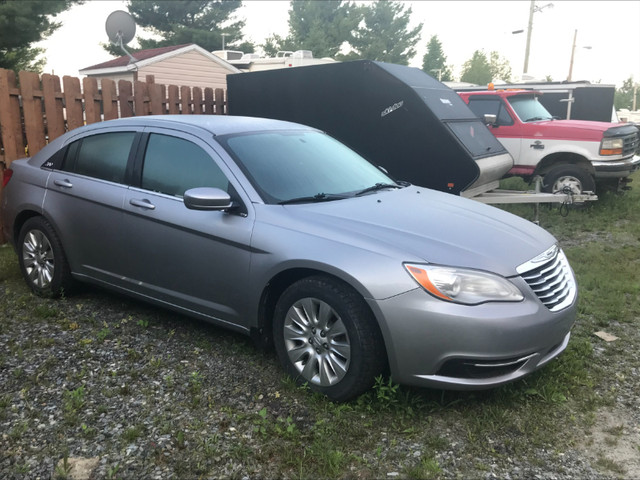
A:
(173, 165)
(102, 156)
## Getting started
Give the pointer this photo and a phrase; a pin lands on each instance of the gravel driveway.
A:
(149, 394)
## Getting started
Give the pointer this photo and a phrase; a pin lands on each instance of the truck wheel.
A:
(572, 177)
(327, 338)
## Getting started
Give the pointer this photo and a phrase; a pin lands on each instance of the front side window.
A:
(287, 165)
(492, 106)
(102, 156)
(174, 165)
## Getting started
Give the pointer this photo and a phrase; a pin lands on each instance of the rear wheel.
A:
(568, 178)
(326, 337)
(42, 259)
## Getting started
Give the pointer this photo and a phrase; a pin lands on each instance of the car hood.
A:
(416, 224)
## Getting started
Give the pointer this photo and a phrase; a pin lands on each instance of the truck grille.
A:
(551, 279)
(631, 144)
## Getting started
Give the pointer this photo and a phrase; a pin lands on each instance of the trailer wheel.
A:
(571, 177)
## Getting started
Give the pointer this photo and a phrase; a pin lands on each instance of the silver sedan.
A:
(278, 231)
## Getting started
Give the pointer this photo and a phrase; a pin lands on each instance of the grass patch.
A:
(269, 427)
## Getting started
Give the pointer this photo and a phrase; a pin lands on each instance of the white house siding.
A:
(114, 77)
(190, 69)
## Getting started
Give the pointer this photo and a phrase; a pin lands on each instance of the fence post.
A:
(73, 101)
(141, 98)
(91, 100)
(185, 100)
(208, 101)
(10, 120)
(125, 95)
(32, 109)
(219, 102)
(174, 100)
(109, 99)
(53, 105)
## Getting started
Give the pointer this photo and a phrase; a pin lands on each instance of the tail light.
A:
(6, 176)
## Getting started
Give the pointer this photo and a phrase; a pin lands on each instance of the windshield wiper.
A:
(535, 119)
(376, 187)
(319, 197)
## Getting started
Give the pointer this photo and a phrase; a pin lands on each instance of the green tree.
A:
(623, 96)
(23, 23)
(434, 61)
(383, 34)
(202, 22)
(500, 67)
(481, 70)
(477, 69)
(320, 26)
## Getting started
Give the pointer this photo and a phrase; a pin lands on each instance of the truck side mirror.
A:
(490, 119)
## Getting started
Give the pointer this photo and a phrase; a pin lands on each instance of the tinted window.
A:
(476, 137)
(103, 156)
(173, 165)
(287, 165)
(493, 106)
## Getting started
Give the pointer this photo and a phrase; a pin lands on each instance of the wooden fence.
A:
(41, 109)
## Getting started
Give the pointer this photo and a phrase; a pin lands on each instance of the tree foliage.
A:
(23, 23)
(623, 97)
(383, 33)
(202, 22)
(481, 70)
(320, 26)
(434, 61)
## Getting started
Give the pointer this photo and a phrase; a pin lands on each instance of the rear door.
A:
(197, 260)
(85, 194)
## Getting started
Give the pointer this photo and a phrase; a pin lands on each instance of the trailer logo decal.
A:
(390, 109)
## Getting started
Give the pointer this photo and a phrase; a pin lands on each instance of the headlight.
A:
(469, 287)
(611, 146)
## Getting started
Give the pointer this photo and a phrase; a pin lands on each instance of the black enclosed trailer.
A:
(397, 117)
(568, 100)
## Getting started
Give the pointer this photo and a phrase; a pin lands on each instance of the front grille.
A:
(551, 279)
(631, 144)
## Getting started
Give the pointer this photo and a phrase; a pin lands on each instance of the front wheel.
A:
(568, 178)
(326, 337)
(42, 259)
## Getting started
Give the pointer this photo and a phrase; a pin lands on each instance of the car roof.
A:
(216, 124)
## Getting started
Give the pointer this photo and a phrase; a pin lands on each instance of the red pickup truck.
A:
(566, 153)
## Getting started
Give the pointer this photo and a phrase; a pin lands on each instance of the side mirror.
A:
(490, 119)
(207, 198)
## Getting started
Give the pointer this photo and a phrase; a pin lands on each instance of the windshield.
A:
(287, 165)
(529, 109)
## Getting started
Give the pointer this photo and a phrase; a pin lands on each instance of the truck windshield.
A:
(529, 109)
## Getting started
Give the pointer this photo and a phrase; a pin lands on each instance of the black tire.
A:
(326, 336)
(577, 179)
(42, 259)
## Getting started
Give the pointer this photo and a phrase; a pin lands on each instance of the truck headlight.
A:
(468, 287)
(611, 146)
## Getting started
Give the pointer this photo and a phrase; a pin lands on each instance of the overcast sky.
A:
(610, 28)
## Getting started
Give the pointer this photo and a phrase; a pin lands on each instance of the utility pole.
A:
(573, 52)
(532, 9)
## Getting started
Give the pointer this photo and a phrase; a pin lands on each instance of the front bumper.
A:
(616, 168)
(431, 343)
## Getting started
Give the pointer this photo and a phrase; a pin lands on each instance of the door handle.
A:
(63, 183)
(142, 203)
